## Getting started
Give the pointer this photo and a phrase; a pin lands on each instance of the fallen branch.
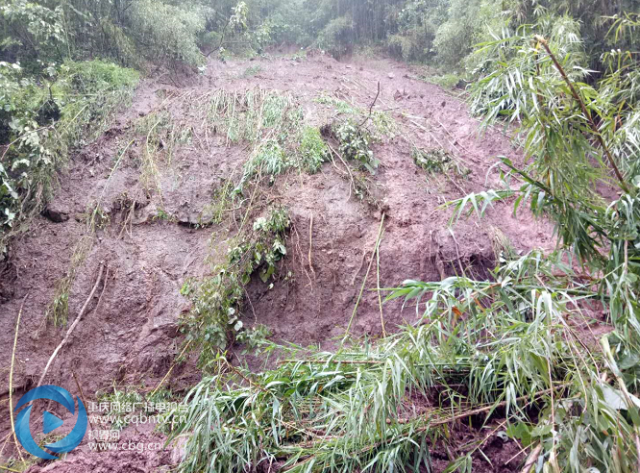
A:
(371, 107)
(353, 181)
(75, 322)
(84, 400)
(382, 324)
(364, 281)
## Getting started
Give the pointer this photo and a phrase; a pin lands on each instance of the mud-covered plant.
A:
(251, 72)
(252, 115)
(355, 144)
(57, 312)
(437, 161)
(218, 300)
(313, 151)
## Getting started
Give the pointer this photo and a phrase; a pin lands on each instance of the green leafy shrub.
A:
(447, 81)
(78, 99)
(438, 161)
(32, 30)
(218, 300)
(355, 144)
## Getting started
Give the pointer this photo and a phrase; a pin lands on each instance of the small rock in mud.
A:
(57, 213)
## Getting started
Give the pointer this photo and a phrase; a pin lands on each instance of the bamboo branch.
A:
(585, 111)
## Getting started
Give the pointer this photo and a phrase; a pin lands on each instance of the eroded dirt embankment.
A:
(132, 338)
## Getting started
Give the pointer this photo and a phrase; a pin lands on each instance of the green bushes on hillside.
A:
(42, 118)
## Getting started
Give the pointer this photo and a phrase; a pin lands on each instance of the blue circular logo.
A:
(50, 422)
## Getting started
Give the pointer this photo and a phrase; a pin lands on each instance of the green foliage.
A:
(330, 412)
(313, 151)
(456, 37)
(41, 124)
(269, 159)
(446, 81)
(169, 33)
(36, 30)
(437, 161)
(355, 144)
(57, 312)
(218, 300)
(418, 23)
(337, 37)
(571, 132)
(250, 115)
(341, 106)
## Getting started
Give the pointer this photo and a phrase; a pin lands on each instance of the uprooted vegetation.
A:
(540, 352)
(219, 300)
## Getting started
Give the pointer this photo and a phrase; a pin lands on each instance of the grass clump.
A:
(251, 72)
(57, 312)
(313, 151)
(252, 115)
(341, 106)
(268, 160)
(446, 81)
(218, 300)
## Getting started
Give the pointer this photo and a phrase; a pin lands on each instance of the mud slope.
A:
(132, 337)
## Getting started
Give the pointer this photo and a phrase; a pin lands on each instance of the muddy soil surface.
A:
(129, 334)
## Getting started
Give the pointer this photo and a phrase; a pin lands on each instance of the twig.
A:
(13, 359)
(355, 275)
(482, 410)
(84, 399)
(364, 281)
(75, 323)
(170, 369)
(6, 440)
(311, 246)
(371, 107)
(586, 113)
(353, 181)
